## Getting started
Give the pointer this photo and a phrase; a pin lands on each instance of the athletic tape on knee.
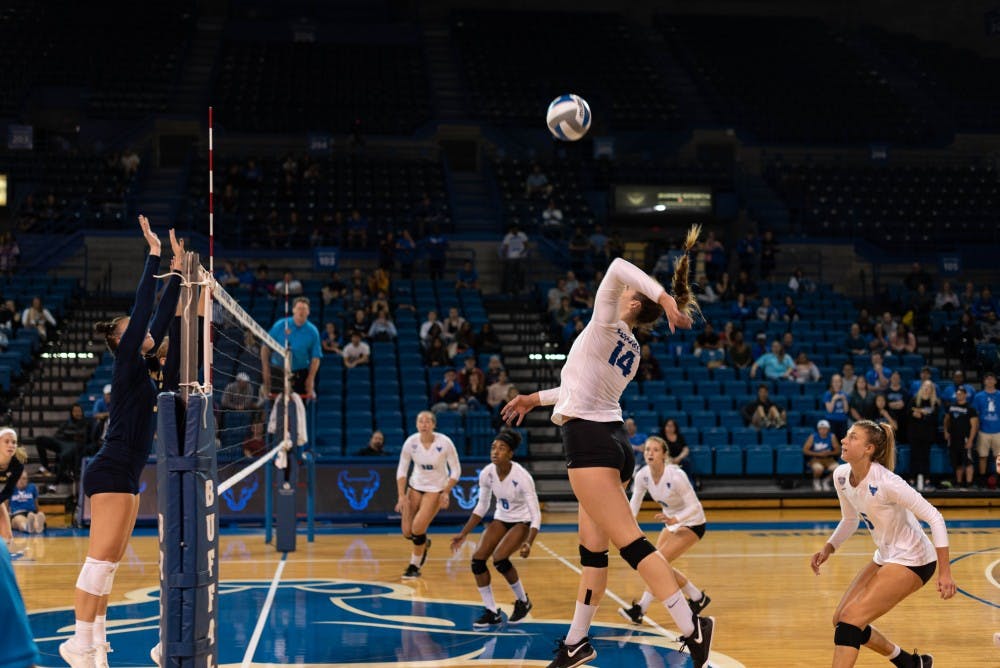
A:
(110, 579)
(93, 577)
(593, 559)
(848, 635)
(866, 634)
(479, 566)
(502, 566)
(636, 551)
(419, 538)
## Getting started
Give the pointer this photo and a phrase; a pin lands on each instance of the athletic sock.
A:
(582, 617)
(83, 636)
(903, 659)
(100, 629)
(678, 608)
(415, 560)
(487, 595)
(518, 590)
(692, 592)
(647, 598)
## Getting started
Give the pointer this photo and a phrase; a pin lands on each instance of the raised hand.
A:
(177, 262)
(515, 410)
(149, 235)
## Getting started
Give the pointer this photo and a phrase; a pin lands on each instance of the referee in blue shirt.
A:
(304, 341)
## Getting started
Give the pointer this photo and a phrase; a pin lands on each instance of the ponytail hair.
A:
(680, 284)
(883, 438)
(106, 330)
(21, 455)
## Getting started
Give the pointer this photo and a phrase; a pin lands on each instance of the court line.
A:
(264, 612)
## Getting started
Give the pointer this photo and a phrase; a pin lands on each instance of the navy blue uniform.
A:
(129, 438)
(9, 478)
(17, 649)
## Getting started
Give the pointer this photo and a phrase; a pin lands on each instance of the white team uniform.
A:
(516, 497)
(673, 492)
(890, 508)
(431, 466)
(605, 356)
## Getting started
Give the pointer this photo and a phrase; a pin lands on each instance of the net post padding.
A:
(188, 510)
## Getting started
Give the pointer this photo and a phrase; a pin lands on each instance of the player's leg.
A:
(508, 547)
(490, 538)
(426, 505)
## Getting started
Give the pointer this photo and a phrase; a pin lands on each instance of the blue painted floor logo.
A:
(335, 623)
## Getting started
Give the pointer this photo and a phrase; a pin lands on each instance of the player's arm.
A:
(638, 494)
(847, 526)
(910, 498)
(689, 500)
(478, 513)
(534, 511)
(402, 472)
(622, 273)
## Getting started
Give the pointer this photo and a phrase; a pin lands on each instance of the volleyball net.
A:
(220, 437)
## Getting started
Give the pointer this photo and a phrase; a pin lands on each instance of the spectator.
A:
(552, 221)
(380, 303)
(496, 394)
(493, 369)
(649, 366)
(806, 370)
(961, 424)
(474, 391)
(38, 317)
(571, 282)
(436, 353)
(375, 446)
(766, 312)
(359, 322)
(917, 277)
(465, 340)
(768, 255)
(759, 346)
(714, 257)
(557, 293)
(487, 340)
(581, 298)
(437, 253)
(882, 414)
(599, 248)
(946, 299)
(762, 412)
(579, 251)
(678, 452)
(262, 284)
(708, 348)
(738, 353)
(865, 322)
(789, 311)
(334, 289)
(922, 429)
(776, 365)
(239, 395)
(406, 253)
(537, 183)
(889, 324)
(987, 404)
(304, 340)
(357, 230)
(925, 374)
(862, 401)
(24, 513)
(879, 374)
(467, 277)
(921, 303)
(847, 374)
(379, 281)
(748, 250)
(878, 342)
(69, 444)
(948, 396)
(856, 343)
(425, 328)
(723, 288)
(331, 339)
(513, 253)
(290, 283)
(822, 448)
(470, 371)
(741, 309)
(636, 439)
(447, 394)
(837, 405)
(102, 407)
(382, 329)
(990, 327)
(799, 284)
(744, 284)
(896, 398)
(130, 162)
(704, 290)
(616, 245)
(424, 214)
(968, 296)
(962, 338)
(357, 352)
(226, 276)
(452, 323)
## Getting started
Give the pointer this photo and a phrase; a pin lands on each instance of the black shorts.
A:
(511, 525)
(598, 445)
(924, 572)
(698, 530)
(20, 513)
(960, 457)
(298, 380)
(108, 472)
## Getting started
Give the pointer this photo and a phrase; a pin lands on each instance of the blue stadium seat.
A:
(690, 404)
(654, 388)
(774, 437)
(726, 374)
(728, 460)
(799, 435)
(358, 420)
(760, 460)
(789, 461)
(730, 419)
(702, 419)
(449, 422)
(902, 459)
(701, 459)
(803, 403)
(697, 374)
(940, 461)
(715, 436)
(681, 388)
(708, 388)
(788, 388)
(744, 437)
(664, 406)
(478, 423)
(720, 403)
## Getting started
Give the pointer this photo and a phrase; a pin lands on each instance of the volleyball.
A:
(568, 117)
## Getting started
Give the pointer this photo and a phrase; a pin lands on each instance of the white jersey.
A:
(673, 492)
(431, 466)
(605, 356)
(889, 508)
(516, 497)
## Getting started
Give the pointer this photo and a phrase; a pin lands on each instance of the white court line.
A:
(989, 574)
(264, 611)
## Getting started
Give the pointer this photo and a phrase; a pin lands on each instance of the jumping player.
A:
(601, 363)
(904, 558)
(435, 472)
(112, 478)
(682, 514)
(514, 527)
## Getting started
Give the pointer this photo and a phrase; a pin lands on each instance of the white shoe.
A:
(75, 656)
(817, 485)
(36, 523)
(101, 651)
(154, 654)
(826, 485)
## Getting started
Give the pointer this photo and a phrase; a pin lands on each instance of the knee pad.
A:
(110, 578)
(848, 635)
(593, 559)
(96, 576)
(479, 566)
(419, 538)
(866, 634)
(636, 551)
(502, 565)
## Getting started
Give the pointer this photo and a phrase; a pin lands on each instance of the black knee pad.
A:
(479, 566)
(866, 634)
(419, 538)
(593, 559)
(502, 565)
(636, 551)
(848, 635)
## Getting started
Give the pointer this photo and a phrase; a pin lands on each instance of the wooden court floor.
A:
(769, 607)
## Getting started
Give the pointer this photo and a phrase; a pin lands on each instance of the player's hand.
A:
(177, 247)
(402, 504)
(515, 410)
(525, 550)
(820, 558)
(444, 498)
(946, 586)
(676, 319)
(456, 542)
(149, 235)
